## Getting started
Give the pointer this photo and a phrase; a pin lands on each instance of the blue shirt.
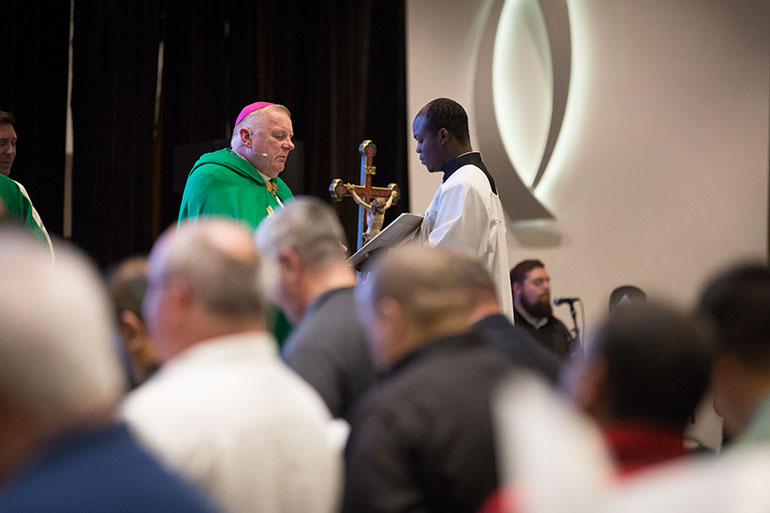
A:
(102, 471)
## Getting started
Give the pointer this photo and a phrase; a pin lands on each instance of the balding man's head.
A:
(413, 294)
(58, 367)
(208, 269)
(475, 276)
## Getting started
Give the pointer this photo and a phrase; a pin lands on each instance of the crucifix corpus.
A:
(372, 201)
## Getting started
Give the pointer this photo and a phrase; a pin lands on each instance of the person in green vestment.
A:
(241, 182)
(17, 206)
(7, 156)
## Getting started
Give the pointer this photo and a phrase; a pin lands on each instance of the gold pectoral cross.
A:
(273, 188)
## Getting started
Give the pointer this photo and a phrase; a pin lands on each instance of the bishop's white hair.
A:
(58, 362)
(252, 121)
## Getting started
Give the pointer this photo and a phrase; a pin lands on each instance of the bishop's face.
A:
(429, 147)
(268, 146)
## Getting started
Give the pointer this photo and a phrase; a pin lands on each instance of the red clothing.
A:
(637, 445)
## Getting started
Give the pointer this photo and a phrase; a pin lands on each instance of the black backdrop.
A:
(33, 85)
(338, 65)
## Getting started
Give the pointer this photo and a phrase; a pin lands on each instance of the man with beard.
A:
(532, 311)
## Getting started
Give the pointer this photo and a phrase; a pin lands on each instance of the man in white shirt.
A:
(223, 409)
(465, 214)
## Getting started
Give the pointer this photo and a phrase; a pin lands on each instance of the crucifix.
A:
(372, 201)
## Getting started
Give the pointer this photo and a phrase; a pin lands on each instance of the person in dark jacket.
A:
(421, 439)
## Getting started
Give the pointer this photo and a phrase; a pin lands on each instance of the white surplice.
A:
(466, 215)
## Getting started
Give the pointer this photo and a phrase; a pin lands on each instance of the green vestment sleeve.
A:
(18, 207)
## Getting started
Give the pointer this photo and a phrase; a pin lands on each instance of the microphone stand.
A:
(576, 340)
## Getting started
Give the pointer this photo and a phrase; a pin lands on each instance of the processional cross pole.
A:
(372, 201)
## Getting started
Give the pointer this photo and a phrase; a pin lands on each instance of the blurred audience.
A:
(60, 381)
(488, 319)
(310, 280)
(421, 439)
(223, 409)
(641, 380)
(737, 304)
(127, 284)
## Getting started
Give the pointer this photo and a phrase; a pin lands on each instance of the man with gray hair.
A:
(421, 440)
(60, 381)
(223, 409)
(241, 182)
(313, 284)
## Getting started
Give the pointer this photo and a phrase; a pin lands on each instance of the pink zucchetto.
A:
(248, 109)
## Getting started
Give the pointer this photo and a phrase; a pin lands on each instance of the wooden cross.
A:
(365, 193)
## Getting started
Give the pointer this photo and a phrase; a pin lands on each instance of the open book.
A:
(401, 229)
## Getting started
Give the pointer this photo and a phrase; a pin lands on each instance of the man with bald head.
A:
(60, 382)
(223, 409)
(421, 440)
(241, 182)
(487, 318)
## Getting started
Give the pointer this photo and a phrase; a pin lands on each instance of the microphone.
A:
(263, 154)
(561, 300)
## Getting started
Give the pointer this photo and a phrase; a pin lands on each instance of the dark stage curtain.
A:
(33, 87)
(339, 66)
(115, 51)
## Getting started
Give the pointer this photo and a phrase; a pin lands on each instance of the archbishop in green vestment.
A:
(224, 184)
(241, 182)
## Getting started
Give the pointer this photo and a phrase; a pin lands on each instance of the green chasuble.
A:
(18, 207)
(223, 184)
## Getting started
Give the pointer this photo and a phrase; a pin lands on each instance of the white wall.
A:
(661, 174)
